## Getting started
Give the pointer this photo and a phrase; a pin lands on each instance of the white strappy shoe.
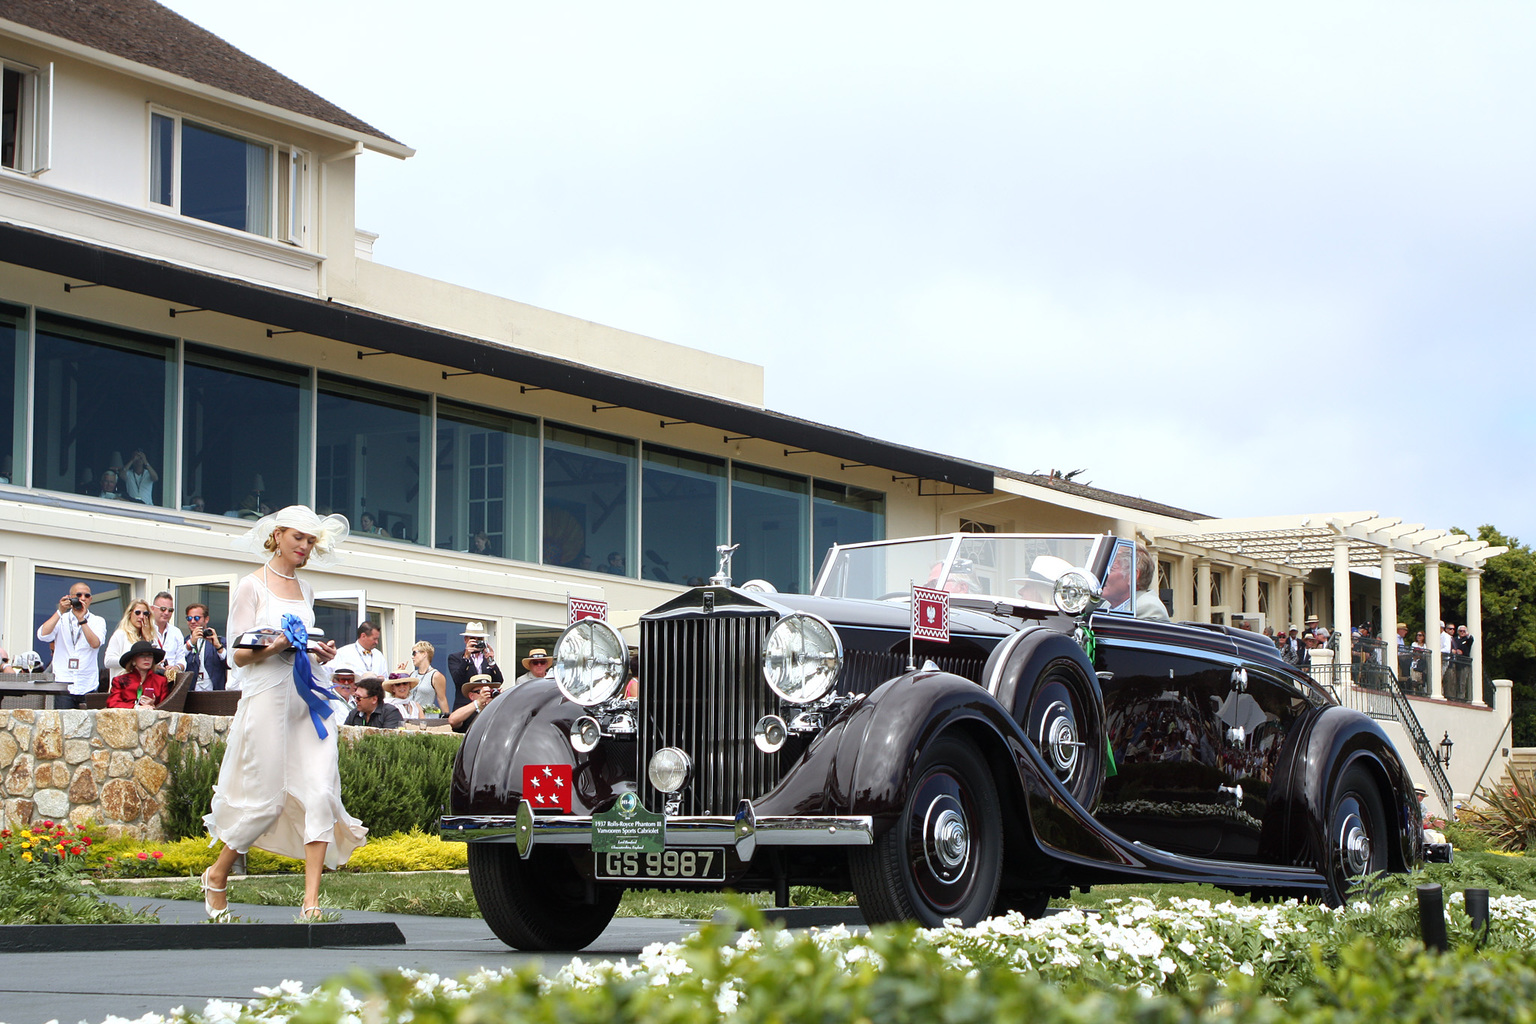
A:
(214, 913)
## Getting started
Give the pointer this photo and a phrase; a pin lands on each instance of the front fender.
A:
(1332, 739)
(860, 763)
(530, 724)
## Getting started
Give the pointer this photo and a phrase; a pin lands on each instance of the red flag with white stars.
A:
(579, 608)
(930, 614)
(547, 786)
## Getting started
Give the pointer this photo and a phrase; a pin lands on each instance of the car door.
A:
(1163, 687)
(1256, 721)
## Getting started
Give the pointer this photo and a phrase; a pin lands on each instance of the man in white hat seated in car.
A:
(479, 658)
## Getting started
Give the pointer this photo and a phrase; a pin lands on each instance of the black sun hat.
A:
(140, 647)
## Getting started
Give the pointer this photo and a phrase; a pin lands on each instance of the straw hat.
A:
(474, 629)
(537, 654)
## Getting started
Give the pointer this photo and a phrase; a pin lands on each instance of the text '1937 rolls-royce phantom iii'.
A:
(1066, 734)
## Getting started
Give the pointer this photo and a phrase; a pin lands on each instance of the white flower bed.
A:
(1134, 943)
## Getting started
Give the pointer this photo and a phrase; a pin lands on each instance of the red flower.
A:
(142, 855)
(47, 824)
(157, 855)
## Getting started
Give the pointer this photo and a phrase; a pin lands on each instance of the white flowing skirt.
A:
(279, 787)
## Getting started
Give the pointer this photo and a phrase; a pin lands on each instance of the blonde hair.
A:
(422, 645)
(270, 544)
(128, 626)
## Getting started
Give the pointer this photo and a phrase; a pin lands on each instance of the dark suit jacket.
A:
(460, 669)
(218, 672)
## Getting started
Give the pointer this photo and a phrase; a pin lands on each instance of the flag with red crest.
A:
(930, 614)
(579, 608)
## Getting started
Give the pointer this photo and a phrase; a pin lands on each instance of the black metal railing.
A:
(1375, 691)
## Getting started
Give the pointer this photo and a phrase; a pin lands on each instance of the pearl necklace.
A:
(282, 574)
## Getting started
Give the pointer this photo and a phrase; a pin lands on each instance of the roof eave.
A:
(283, 115)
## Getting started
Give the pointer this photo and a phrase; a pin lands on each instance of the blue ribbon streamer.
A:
(313, 694)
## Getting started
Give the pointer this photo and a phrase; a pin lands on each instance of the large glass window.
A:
(843, 514)
(770, 519)
(487, 482)
(682, 516)
(108, 599)
(589, 501)
(371, 447)
(13, 355)
(104, 398)
(244, 435)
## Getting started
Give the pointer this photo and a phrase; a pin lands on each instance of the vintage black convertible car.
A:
(1066, 735)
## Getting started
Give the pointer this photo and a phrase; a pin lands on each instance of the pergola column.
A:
(1298, 603)
(1432, 629)
(1202, 590)
(1389, 608)
(1250, 591)
(1341, 592)
(1475, 628)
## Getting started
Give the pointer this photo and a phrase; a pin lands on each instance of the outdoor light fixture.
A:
(1445, 750)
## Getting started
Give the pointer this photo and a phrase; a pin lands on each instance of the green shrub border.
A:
(393, 782)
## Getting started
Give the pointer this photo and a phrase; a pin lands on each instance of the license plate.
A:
(671, 865)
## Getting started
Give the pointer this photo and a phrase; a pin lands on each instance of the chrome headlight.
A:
(669, 769)
(802, 658)
(1075, 591)
(591, 660)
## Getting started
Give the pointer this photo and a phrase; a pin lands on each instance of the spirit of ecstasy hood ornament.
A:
(723, 577)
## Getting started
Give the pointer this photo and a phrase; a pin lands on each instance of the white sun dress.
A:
(278, 786)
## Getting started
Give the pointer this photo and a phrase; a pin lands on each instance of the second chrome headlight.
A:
(591, 660)
(802, 658)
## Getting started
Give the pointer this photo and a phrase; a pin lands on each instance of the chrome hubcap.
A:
(1355, 845)
(1058, 740)
(948, 840)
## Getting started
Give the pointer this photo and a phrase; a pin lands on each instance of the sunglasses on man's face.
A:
(194, 618)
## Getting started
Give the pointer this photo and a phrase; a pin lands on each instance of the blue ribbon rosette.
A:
(313, 694)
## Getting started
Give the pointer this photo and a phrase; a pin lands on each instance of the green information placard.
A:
(628, 827)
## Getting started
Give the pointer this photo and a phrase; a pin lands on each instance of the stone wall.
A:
(103, 766)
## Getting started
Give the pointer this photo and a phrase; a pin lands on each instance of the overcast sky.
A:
(1240, 262)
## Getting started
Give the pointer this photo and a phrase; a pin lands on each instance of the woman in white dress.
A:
(278, 786)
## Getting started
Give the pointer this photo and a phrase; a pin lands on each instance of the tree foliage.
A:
(1509, 619)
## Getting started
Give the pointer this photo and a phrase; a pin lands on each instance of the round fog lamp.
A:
(1075, 591)
(585, 733)
(669, 769)
(770, 734)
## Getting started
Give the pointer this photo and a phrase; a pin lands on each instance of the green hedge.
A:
(393, 782)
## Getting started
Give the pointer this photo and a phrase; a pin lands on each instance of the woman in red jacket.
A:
(141, 686)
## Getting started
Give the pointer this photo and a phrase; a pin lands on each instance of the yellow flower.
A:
(26, 856)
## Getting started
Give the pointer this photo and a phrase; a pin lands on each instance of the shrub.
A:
(1508, 815)
(398, 782)
(409, 851)
(412, 851)
(189, 790)
(392, 782)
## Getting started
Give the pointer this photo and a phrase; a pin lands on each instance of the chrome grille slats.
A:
(701, 690)
(865, 670)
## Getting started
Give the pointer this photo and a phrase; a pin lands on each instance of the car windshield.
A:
(1013, 567)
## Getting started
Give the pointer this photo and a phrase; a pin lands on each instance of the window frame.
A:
(290, 189)
(34, 117)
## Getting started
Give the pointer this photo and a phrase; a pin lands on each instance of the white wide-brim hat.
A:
(474, 629)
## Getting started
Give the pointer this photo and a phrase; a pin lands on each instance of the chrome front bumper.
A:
(744, 832)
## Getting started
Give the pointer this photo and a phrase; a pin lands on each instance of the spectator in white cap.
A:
(478, 658)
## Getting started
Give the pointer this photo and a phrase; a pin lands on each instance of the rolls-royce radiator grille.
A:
(702, 691)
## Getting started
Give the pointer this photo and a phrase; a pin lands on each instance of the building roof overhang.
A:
(89, 263)
(1301, 543)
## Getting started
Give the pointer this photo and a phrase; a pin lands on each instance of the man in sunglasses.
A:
(167, 635)
(205, 651)
(76, 635)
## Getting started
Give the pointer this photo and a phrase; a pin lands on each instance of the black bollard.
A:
(1432, 917)
(1477, 910)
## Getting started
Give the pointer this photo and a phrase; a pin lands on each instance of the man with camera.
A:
(478, 659)
(76, 634)
(477, 694)
(168, 637)
(204, 651)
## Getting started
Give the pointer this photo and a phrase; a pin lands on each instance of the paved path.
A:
(71, 987)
